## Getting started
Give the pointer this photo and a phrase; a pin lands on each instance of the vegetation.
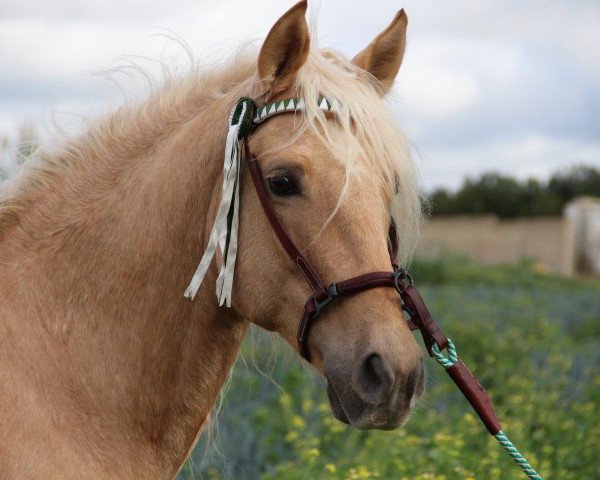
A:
(532, 339)
(506, 197)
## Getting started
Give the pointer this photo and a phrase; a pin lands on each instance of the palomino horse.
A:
(106, 370)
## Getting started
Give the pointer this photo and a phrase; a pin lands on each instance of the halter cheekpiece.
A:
(245, 116)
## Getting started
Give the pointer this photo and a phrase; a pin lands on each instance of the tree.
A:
(575, 181)
(507, 197)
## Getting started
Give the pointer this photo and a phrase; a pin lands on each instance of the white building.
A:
(584, 213)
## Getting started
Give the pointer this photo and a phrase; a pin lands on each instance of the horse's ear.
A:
(285, 50)
(383, 57)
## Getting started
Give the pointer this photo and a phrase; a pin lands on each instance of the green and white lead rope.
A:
(519, 459)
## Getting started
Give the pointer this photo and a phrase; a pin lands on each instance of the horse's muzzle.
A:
(374, 396)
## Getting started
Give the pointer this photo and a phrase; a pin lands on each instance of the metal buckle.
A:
(332, 293)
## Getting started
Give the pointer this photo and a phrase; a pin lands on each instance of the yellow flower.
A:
(285, 400)
(469, 419)
(307, 405)
(310, 454)
(298, 422)
(330, 467)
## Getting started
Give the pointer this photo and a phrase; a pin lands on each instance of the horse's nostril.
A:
(374, 379)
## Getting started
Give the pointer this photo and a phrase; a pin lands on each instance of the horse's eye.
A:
(283, 186)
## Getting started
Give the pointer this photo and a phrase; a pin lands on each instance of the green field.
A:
(532, 339)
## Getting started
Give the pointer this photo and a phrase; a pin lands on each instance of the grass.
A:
(532, 339)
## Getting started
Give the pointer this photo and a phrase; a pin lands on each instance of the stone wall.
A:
(489, 240)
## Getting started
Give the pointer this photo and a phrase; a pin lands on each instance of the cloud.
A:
(95, 10)
(482, 83)
(530, 156)
(432, 88)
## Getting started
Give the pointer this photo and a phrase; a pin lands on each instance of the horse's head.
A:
(336, 181)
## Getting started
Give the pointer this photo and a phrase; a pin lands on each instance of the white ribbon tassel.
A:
(230, 195)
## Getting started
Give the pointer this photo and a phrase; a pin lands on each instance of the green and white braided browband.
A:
(290, 105)
(224, 233)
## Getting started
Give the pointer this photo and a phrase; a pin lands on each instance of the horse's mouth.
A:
(336, 406)
(348, 408)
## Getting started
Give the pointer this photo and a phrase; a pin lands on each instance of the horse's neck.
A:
(96, 294)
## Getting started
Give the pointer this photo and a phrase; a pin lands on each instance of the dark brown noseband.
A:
(322, 296)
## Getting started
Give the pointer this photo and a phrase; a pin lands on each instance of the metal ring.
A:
(401, 274)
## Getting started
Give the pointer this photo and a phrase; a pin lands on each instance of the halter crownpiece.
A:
(224, 233)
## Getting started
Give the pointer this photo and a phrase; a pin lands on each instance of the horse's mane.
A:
(370, 144)
(127, 132)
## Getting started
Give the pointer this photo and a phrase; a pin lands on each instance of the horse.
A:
(106, 369)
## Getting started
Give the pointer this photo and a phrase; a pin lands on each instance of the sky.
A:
(511, 86)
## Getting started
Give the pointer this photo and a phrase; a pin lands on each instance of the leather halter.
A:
(322, 296)
(398, 278)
